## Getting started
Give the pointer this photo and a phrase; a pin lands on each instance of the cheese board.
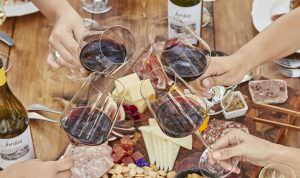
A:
(162, 151)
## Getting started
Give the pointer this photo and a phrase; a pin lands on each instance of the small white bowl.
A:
(239, 112)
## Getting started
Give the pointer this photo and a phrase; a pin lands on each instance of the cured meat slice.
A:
(90, 161)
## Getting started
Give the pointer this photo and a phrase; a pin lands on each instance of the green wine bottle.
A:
(189, 12)
(15, 136)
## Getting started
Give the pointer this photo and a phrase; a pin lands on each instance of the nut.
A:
(112, 171)
(154, 167)
(152, 173)
(171, 174)
(118, 169)
(125, 169)
(162, 173)
(132, 172)
(139, 170)
(105, 176)
(131, 166)
(120, 176)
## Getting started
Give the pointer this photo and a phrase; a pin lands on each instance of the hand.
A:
(224, 71)
(39, 169)
(243, 146)
(64, 39)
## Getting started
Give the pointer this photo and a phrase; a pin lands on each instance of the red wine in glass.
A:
(87, 127)
(101, 54)
(174, 123)
(186, 60)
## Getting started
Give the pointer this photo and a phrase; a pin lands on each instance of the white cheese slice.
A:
(159, 149)
(156, 142)
(147, 136)
(164, 151)
(173, 150)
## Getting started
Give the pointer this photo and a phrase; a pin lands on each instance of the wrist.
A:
(67, 11)
(278, 154)
(241, 64)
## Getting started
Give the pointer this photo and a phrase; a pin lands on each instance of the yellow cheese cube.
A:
(127, 81)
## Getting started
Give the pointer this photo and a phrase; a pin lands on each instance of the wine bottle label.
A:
(190, 16)
(2, 76)
(16, 149)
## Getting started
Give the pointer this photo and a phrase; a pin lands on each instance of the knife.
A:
(6, 39)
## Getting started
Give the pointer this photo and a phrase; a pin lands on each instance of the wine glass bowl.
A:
(91, 114)
(105, 49)
(183, 52)
(178, 111)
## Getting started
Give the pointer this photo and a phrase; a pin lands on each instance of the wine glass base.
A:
(215, 170)
(97, 11)
(90, 23)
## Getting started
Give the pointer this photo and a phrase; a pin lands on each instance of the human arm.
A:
(280, 39)
(39, 169)
(66, 34)
(255, 150)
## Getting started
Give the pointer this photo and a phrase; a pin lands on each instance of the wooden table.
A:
(32, 81)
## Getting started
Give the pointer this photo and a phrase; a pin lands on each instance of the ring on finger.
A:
(55, 55)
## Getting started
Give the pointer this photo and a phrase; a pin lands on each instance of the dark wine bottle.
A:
(15, 136)
(189, 12)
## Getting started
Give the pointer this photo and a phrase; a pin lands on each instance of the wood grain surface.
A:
(32, 81)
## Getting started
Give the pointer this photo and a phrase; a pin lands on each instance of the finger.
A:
(64, 54)
(52, 62)
(78, 33)
(227, 153)
(233, 137)
(63, 165)
(229, 166)
(70, 44)
(64, 174)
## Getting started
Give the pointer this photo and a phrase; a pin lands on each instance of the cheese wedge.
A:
(186, 142)
(147, 88)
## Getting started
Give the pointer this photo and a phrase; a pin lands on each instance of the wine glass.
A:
(104, 50)
(215, 130)
(277, 171)
(96, 6)
(176, 106)
(91, 114)
(187, 54)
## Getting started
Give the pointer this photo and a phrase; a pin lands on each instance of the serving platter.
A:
(20, 9)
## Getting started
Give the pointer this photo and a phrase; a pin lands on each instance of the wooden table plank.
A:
(8, 28)
(233, 24)
(234, 28)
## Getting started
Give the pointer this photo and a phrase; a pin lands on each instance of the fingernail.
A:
(206, 83)
(216, 155)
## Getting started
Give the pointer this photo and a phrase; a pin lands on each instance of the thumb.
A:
(228, 153)
(213, 81)
(64, 164)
